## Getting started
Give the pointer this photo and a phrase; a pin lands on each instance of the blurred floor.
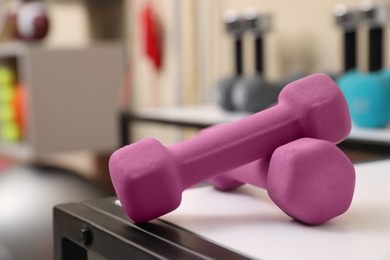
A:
(27, 197)
(28, 192)
(5, 163)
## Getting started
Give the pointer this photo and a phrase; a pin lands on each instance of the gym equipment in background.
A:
(19, 104)
(255, 93)
(30, 19)
(368, 94)
(290, 78)
(224, 88)
(298, 75)
(11, 106)
(299, 180)
(145, 172)
(347, 20)
(23, 19)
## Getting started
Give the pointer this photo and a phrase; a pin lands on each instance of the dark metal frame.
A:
(103, 228)
(366, 146)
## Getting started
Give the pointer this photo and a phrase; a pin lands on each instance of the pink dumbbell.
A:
(149, 177)
(311, 180)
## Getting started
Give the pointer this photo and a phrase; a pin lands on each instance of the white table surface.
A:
(247, 221)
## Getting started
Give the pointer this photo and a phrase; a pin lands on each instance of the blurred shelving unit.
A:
(71, 100)
(361, 144)
(200, 116)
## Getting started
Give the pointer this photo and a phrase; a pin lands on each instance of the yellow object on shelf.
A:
(7, 75)
(9, 132)
(7, 112)
(7, 92)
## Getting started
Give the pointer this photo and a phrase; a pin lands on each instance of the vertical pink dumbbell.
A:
(311, 180)
(149, 177)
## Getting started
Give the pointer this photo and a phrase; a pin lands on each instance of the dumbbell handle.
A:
(254, 173)
(235, 144)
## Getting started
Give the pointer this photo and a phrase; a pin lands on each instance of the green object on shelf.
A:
(7, 92)
(9, 132)
(7, 112)
(7, 76)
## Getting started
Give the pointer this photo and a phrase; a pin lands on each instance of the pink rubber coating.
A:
(254, 173)
(149, 177)
(311, 180)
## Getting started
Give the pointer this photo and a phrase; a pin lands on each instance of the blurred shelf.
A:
(375, 140)
(200, 116)
(381, 135)
(20, 150)
(203, 116)
(14, 49)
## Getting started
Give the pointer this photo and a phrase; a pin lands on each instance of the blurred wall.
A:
(68, 24)
(197, 51)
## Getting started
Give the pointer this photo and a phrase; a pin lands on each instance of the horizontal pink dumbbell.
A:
(311, 180)
(149, 177)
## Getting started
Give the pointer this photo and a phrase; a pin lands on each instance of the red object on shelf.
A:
(19, 104)
(151, 36)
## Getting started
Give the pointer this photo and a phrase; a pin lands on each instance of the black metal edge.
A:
(70, 219)
(170, 232)
(371, 160)
(112, 238)
(366, 146)
(134, 117)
